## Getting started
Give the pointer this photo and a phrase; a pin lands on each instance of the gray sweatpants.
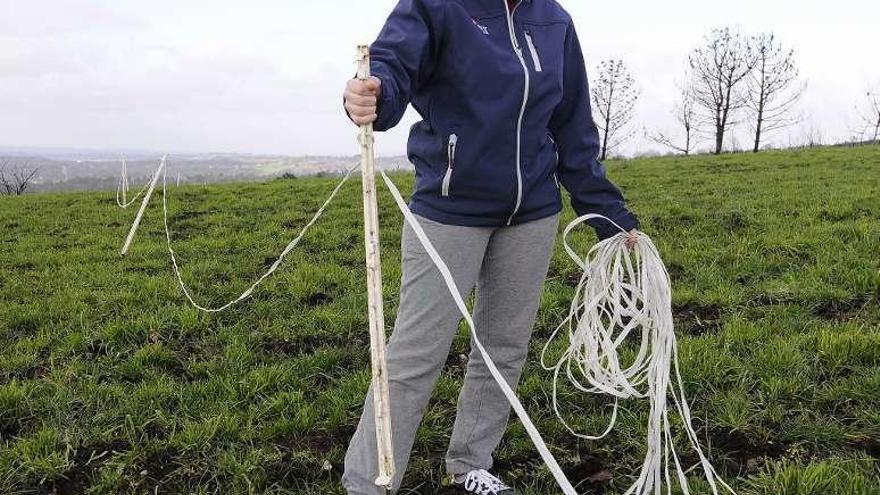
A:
(508, 265)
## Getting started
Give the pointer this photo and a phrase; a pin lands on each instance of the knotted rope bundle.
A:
(623, 294)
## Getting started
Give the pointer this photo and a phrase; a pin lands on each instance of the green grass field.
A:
(110, 383)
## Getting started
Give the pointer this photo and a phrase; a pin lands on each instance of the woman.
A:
(502, 89)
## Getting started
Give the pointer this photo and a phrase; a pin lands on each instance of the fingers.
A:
(361, 98)
(363, 120)
(370, 87)
(373, 84)
(361, 114)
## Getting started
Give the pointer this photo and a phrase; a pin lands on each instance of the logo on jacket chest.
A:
(481, 27)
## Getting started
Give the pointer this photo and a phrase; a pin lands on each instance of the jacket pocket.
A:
(450, 153)
(534, 51)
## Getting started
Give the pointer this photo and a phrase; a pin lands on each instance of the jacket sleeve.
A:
(402, 56)
(577, 140)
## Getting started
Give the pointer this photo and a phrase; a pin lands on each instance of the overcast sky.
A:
(265, 76)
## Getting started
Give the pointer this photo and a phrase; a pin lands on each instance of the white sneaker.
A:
(481, 482)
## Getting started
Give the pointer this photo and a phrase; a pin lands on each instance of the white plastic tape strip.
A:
(186, 291)
(533, 433)
(144, 203)
(244, 295)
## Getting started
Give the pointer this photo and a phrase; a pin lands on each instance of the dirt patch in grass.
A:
(732, 221)
(23, 326)
(870, 445)
(289, 472)
(156, 467)
(86, 460)
(294, 473)
(697, 319)
(95, 349)
(744, 453)
(292, 470)
(317, 299)
(765, 299)
(303, 345)
(32, 372)
(323, 442)
(456, 363)
(299, 346)
(291, 224)
(11, 427)
(843, 215)
(668, 222)
(841, 310)
(23, 267)
(572, 279)
(306, 344)
(676, 272)
(178, 368)
(188, 214)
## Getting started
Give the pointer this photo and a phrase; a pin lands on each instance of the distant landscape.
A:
(61, 169)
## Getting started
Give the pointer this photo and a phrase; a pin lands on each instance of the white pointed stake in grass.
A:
(374, 292)
(144, 203)
(124, 181)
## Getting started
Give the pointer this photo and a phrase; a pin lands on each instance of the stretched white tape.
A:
(533, 433)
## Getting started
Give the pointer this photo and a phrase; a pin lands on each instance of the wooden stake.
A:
(374, 293)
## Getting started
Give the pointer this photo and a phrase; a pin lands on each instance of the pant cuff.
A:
(459, 467)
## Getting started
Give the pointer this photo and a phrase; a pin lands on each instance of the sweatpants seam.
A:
(487, 318)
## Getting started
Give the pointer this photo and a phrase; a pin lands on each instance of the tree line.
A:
(731, 79)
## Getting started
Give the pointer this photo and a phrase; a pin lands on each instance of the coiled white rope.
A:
(627, 293)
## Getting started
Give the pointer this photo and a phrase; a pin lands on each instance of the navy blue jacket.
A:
(506, 112)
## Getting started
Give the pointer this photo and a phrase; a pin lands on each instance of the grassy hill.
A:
(111, 383)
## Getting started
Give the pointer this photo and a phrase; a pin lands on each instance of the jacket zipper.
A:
(519, 53)
(535, 58)
(555, 167)
(450, 152)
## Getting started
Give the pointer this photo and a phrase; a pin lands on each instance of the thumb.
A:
(373, 84)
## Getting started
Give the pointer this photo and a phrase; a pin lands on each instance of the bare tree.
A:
(770, 89)
(685, 116)
(809, 134)
(719, 70)
(614, 95)
(15, 181)
(869, 117)
(813, 137)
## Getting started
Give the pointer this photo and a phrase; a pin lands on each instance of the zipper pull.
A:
(453, 141)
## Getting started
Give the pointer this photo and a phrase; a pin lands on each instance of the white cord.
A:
(532, 431)
(292, 244)
(625, 293)
(137, 219)
(122, 188)
(244, 295)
